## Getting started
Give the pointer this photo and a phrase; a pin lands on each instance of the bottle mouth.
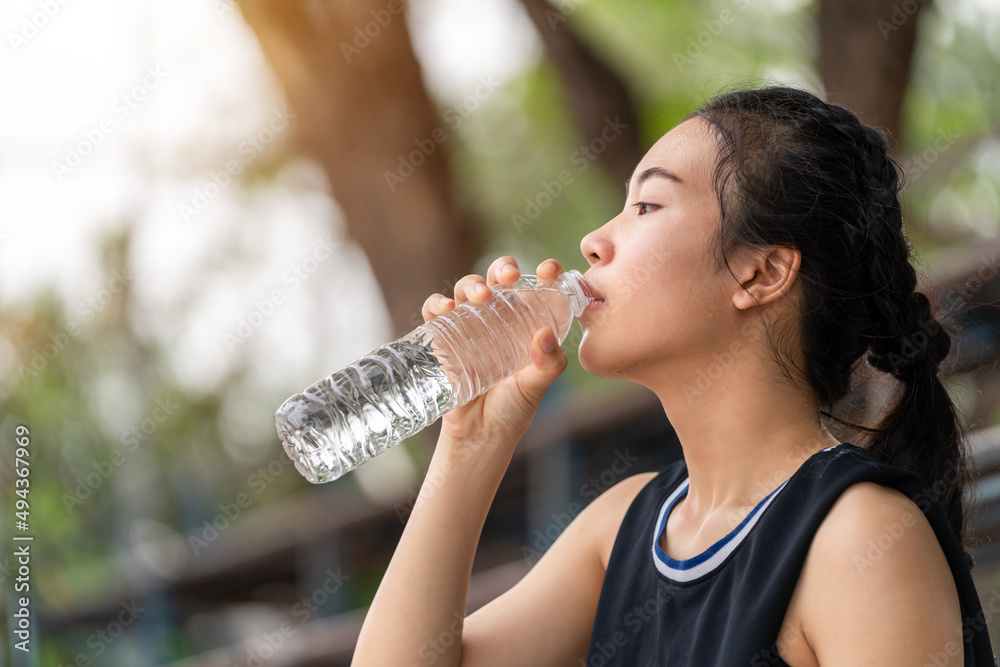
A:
(584, 287)
(582, 295)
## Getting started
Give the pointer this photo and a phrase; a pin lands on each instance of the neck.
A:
(743, 435)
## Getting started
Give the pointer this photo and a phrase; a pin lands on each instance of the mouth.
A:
(592, 291)
(592, 306)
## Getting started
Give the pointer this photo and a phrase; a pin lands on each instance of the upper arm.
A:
(547, 617)
(879, 590)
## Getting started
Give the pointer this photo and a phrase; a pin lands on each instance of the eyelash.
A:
(638, 207)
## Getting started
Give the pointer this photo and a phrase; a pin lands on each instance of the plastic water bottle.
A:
(404, 386)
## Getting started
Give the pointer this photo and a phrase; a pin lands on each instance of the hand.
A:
(502, 414)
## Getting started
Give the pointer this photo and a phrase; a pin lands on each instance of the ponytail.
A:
(922, 432)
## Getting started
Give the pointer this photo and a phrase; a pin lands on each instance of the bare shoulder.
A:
(866, 525)
(876, 587)
(608, 510)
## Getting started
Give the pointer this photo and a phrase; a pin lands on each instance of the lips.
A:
(594, 292)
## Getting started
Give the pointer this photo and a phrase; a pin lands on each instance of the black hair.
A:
(795, 171)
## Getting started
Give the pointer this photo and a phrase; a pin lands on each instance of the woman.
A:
(765, 230)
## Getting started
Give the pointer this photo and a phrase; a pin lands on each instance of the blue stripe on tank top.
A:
(708, 553)
(694, 567)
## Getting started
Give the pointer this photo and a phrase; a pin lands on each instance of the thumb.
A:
(548, 361)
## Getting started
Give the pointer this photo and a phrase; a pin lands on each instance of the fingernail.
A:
(443, 300)
(549, 266)
(548, 342)
(482, 289)
(507, 268)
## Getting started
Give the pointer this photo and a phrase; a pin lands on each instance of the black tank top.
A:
(724, 607)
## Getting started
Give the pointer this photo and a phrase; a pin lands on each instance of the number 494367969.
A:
(21, 467)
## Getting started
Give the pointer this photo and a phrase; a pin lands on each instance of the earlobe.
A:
(769, 276)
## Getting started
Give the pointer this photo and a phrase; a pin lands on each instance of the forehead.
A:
(687, 150)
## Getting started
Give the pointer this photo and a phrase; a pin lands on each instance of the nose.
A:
(596, 246)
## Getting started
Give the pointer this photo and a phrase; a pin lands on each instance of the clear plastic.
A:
(404, 386)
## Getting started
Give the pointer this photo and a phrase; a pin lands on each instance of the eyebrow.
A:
(653, 172)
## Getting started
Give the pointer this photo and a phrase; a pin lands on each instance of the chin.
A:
(594, 363)
(582, 353)
(632, 360)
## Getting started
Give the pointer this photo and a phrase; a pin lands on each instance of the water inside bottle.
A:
(399, 389)
(342, 421)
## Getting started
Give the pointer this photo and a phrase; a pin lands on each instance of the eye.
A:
(644, 208)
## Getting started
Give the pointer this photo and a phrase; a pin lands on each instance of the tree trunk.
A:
(866, 50)
(351, 76)
(596, 93)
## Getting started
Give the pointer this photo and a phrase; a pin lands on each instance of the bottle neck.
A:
(576, 287)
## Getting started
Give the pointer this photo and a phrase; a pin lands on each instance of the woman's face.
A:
(653, 264)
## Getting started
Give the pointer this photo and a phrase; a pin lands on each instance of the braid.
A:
(922, 341)
(903, 334)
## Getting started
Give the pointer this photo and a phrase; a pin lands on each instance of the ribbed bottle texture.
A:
(397, 390)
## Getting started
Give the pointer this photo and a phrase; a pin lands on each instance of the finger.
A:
(435, 305)
(549, 269)
(503, 271)
(535, 378)
(472, 288)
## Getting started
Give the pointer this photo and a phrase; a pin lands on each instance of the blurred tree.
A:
(349, 71)
(866, 50)
(595, 91)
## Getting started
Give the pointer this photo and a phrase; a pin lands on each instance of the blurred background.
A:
(208, 205)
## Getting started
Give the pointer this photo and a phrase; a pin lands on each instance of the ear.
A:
(765, 275)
